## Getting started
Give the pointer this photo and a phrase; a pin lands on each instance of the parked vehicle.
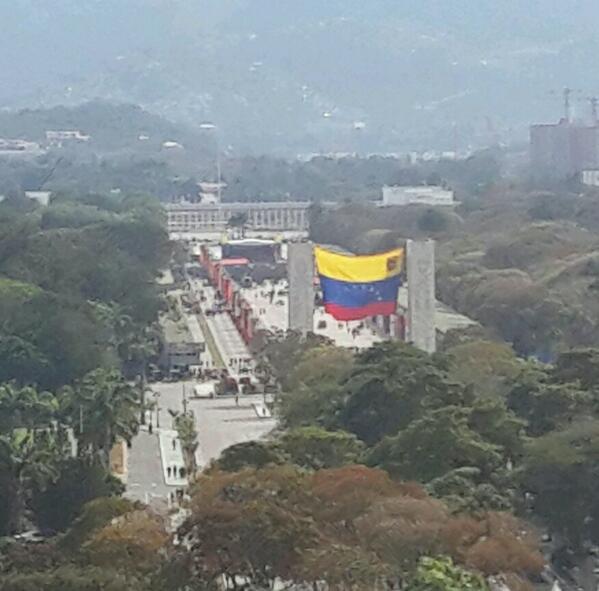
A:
(205, 390)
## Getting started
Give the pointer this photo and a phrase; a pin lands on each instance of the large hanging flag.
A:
(356, 287)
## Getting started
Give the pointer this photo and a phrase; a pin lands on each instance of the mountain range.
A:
(310, 75)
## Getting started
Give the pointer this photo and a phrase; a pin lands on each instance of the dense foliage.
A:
(77, 301)
(349, 526)
(70, 275)
(478, 427)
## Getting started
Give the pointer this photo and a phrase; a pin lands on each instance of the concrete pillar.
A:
(300, 269)
(421, 294)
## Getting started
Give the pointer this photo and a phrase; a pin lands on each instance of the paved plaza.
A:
(273, 316)
(220, 423)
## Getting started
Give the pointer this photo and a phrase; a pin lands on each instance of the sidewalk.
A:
(172, 457)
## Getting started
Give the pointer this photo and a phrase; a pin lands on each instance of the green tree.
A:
(31, 447)
(561, 472)
(137, 344)
(283, 354)
(441, 441)
(29, 459)
(483, 435)
(250, 454)
(467, 490)
(102, 407)
(78, 481)
(186, 430)
(440, 574)
(388, 388)
(22, 361)
(578, 365)
(25, 408)
(313, 389)
(489, 367)
(545, 404)
(316, 448)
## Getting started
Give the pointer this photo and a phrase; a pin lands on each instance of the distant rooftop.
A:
(446, 319)
(175, 332)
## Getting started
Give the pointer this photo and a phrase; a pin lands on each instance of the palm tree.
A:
(137, 345)
(29, 459)
(25, 408)
(31, 445)
(102, 407)
(134, 343)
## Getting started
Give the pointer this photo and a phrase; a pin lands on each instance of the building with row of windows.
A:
(198, 217)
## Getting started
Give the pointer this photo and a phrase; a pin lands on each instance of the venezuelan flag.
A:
(356, 287)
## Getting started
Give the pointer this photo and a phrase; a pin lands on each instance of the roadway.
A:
(230, 344)
(220, 422)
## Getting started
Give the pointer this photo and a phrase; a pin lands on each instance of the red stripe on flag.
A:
(375, 309)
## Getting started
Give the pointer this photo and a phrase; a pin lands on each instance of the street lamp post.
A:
(157, 407)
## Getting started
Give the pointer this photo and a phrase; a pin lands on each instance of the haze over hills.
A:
(297, 76)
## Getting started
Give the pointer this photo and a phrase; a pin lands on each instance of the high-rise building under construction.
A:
(563, 150)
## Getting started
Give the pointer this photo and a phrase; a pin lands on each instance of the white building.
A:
(66, 135)
(171, 145)
(19, 147)
(590, 177)
(199, 217)
(423, 195)
(42, 197)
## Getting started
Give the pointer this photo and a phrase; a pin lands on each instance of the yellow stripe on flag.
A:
(359, 269)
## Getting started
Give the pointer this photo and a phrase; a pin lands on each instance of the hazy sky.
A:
(278, 65)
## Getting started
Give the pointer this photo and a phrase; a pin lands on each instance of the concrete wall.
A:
(301, 286)
(421, 295)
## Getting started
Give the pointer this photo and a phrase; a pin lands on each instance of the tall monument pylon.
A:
(421, 295)
(300, 269)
